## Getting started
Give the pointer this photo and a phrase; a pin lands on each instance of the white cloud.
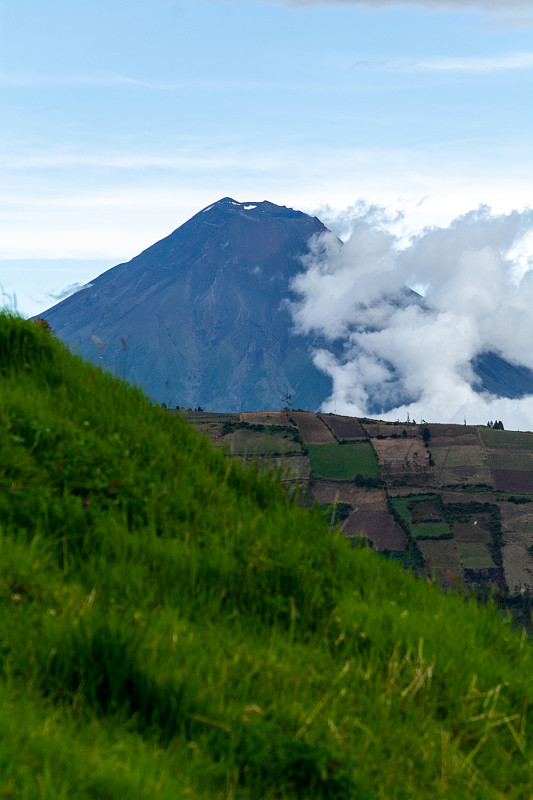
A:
(74, 288)
(515, 12)
(114, 81)
(412, 355)
(479, 64)
(495, 6)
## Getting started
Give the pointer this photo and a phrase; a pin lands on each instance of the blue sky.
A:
(120, 119)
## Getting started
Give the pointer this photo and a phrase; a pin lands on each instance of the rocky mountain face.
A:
(201, 318)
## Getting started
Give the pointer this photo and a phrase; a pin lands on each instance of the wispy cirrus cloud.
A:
(516, 12)
(117, 81)
(74, 288)
(472, 64)
(431, 5)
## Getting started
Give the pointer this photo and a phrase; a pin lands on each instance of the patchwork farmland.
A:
(453, 501)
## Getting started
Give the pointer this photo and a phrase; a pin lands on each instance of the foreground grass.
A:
(172, 626)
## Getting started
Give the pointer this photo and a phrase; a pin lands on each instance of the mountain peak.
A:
(259, 207)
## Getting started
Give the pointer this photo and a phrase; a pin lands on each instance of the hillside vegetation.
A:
(172, 625)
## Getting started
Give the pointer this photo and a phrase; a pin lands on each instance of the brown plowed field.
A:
(312, 429)
(513, 480)
(404, 460)
(388, 429)
(343, 427)
(460, 464)
(346, 492)
(206, 416)
(517, 523)
(293, 468)
(378, 526)
(465, 435)
(468, 532)
(266, 418)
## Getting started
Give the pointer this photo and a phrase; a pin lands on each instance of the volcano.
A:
(201, 318)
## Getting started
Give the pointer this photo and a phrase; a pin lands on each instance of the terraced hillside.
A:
(454, 500)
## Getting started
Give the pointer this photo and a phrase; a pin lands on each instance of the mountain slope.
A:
(199, 317)
(172, 626)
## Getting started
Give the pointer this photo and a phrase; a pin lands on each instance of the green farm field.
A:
(506, 440)
(343, 461)
(411, 507)
(423, 530)
(474, 555)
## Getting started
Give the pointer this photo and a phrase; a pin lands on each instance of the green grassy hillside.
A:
(171, 625)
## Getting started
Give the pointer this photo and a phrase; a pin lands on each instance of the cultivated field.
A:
(510, 460)
(513, 481)
(403, 460)
(422, 515)
(343, 427)
(327, 492)
(458, 464)
(462, 465)
(474, 555)
(430, 530)
(267, 418)
(378, 526)
(506, 440)
(442, 560)
(343, 461)
(470, 532)
(267, 441)
(312, 429)
(517, 523)
(455, 435)
(293, 468)
(391, 429)
(518, 566)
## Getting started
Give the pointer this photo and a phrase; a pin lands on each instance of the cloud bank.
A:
(392, 351)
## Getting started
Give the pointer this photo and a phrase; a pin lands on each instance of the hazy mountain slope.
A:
(499, 377)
